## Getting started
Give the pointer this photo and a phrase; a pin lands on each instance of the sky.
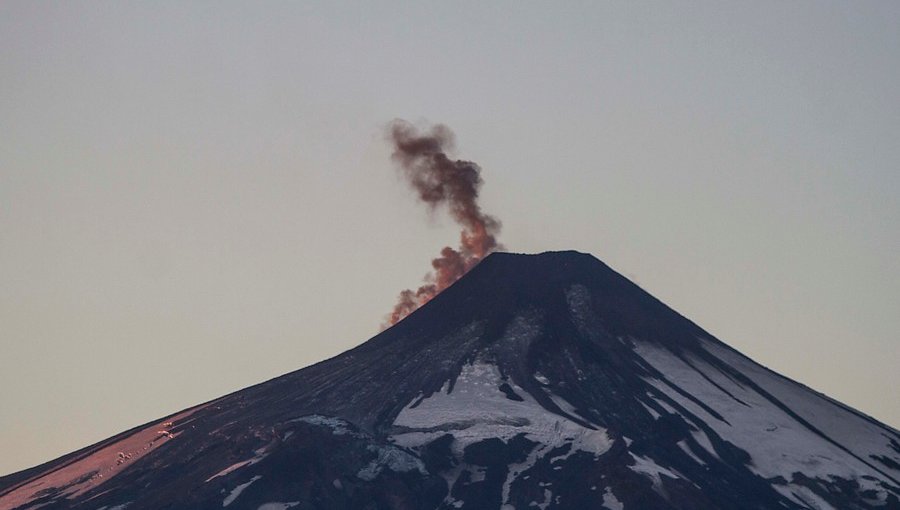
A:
(196, 197)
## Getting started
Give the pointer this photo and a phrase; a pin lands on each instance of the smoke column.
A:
(440, 181)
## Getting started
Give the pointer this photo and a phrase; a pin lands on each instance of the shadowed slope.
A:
(536, 380)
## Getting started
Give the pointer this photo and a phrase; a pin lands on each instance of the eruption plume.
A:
(441, 181)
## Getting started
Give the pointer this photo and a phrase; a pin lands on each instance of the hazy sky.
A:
(198, 197)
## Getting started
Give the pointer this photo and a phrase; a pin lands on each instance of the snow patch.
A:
(563, 404)
(862, 436)
(392, 458)
(805, 497)
(652, 470)
(703, 440)
(777, 442)
(686, 449)
(338, 426)
(650, 410)
(548, 498)
(476, 410)
(277, 506)
(477, 475)
(259, 455)
(610, 500)
(236, 492)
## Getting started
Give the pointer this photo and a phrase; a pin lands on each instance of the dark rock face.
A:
(537, 381)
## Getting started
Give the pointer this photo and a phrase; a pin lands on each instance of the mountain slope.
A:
(536, 381)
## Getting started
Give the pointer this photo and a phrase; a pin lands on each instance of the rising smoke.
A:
(441, 181)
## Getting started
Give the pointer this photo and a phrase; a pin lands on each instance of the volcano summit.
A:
(535, 381)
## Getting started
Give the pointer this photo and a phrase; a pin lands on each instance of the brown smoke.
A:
(439, 180)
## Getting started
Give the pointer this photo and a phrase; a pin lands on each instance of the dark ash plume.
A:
(439, 180)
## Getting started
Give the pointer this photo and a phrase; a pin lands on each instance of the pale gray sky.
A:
(197, 197)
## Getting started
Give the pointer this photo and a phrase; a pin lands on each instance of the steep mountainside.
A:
(536, 381)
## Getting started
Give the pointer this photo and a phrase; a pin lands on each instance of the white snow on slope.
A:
(803, 496)
(687, 450)
(258, 455)
(392, 458)
(651, 470)
(851, 430)
(610, 501)
(476, 410)
(277, 506)
(778, 444)
(338, 426)
(236, 492)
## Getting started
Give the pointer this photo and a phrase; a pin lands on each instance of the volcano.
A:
(542, 381)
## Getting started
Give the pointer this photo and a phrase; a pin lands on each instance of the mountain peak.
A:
(544, 380)
(560, 284)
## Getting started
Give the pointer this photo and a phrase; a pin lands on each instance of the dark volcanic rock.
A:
(536, 381)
